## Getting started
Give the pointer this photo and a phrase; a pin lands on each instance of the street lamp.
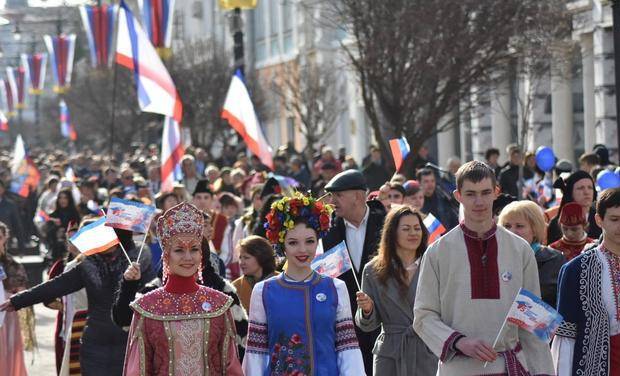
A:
(236, 27)
(17, 33)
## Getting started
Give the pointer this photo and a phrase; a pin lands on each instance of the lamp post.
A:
(615, 7)
(236, 28)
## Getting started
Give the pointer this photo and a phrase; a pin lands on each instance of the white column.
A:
(446, 141)
(500, 118)
(562, 107)
(604, 89)
(589, 116)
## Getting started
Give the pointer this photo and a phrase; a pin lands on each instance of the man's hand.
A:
(477, 349)
(133, 272)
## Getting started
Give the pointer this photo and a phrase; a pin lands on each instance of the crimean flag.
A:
(17, 81)
(434, 227)
(171, 153)
(400, 151)
(4, 122)
(66, 126)
(9, 97)
(334, 262)
(239, 112)
(35, 65)
(157, 16)
(98, 23)
(155, 88)
(61, 49)
(94, 238)
(25, 174)
(531, 313)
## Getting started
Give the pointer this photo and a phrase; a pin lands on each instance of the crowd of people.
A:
(223, 281)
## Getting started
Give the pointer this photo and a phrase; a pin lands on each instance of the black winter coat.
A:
(549, 262)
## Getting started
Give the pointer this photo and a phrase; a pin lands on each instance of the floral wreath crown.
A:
(287, 210)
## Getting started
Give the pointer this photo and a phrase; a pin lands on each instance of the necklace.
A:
(301, 280)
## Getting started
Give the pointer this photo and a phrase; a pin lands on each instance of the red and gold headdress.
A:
(183, 219)
(285, 212)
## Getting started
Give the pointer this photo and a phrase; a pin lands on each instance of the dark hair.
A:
(387, 264)
(609, 198)
(261, 249)
(259, 228)
(474, 171)
(226, 199)
(398, 187)
(491, 152)
(424, 172)
(590, 158)
(160, 201)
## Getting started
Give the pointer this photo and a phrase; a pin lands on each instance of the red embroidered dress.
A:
(182, 329)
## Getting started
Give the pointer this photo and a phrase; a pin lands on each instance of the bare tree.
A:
(310, 94)
(417, 59)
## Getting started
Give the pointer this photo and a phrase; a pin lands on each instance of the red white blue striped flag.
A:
(434, 227)
(400, 151)
(66, 126)
(35, 66)
(61, 49)
(98, 23)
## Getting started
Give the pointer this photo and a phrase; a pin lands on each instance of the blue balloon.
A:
(545, 159)
(607, 179)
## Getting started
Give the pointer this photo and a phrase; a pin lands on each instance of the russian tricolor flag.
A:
(434, 227)
(99, 25)
(156, 90)
(239, 112)
(66, 127)
(94, 238)
(4, 122)
(400, 151)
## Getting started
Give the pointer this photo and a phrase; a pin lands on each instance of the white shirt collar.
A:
(362, 223)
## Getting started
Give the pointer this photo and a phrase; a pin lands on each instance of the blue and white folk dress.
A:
(301, 328)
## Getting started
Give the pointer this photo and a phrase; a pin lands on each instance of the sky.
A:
(49, 3)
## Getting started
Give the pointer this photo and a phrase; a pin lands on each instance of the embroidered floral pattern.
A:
(614, 271)
(289, 357)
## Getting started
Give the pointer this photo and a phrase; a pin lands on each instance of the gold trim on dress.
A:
(206, 315)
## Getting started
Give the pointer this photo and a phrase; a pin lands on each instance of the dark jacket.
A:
(509, 177)
(336, 234)
(442, 209)
(10, 216)
(549, 263)
(99, 275)
(376, 175)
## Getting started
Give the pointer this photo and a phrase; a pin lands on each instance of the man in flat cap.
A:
(359, 224)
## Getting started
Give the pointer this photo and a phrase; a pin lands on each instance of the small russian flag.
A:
(434, 227)
(4, 122)
(41, 216)
(400, 151)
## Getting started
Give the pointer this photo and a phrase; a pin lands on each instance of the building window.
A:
(259, 32)
(178, 25)
(287, 24)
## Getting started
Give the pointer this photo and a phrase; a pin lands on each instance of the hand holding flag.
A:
(400, 151)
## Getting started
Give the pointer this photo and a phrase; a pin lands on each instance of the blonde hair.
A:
(531, 212)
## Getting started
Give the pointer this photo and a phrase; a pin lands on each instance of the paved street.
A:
(41, 362)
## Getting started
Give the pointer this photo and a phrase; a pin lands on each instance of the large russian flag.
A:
(239, 112)
(400, 151)
(94, 238)
(155, 88)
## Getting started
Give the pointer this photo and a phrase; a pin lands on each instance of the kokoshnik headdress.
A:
(181, 219)
(285, 212)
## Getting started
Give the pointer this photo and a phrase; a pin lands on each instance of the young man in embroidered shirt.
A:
(588, 341)
(469, 279)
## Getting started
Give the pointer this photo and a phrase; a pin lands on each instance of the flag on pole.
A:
(35, 66)
(17, 81)
(155, 88)
(171, 153)
(400, 151)
(41, 216)
(94, 238)
(4, 122)
(8, 98)
(129, 215)
(157, 16)
(25, 174)
(61, 49)
(434, 227)
(66, 126)
(239, 112)
(530, 313)
(98, 23)
(334, 262)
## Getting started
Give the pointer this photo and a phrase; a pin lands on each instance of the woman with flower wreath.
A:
(300, 321)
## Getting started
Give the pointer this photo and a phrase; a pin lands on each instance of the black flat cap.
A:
(202, 187)
(346, 181)
(270, 187)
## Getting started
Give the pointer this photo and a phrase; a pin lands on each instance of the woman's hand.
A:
(7, 306)
(365, 303)
(133, 272)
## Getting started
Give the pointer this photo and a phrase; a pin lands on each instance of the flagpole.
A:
(119, 242)
(114, 84)
(148, 228)
(502, 327)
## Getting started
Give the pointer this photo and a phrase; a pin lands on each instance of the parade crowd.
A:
(223, 281)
